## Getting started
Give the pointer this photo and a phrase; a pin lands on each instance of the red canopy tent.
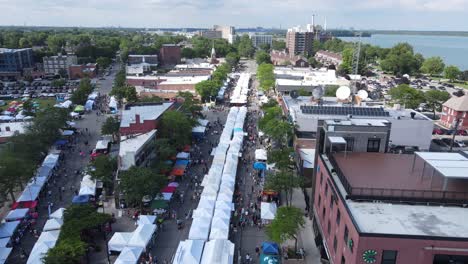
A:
(168, 189)
(186, 148)
(177, 172)
(26, 204)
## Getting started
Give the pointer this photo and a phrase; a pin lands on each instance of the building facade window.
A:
(335, 244)
(343, 260)
(338, 217)
(389, 256)
(373, 145)
(326, 189)
(346, 233)
(319, 200)
(323, 212)
(321, 178)
(331, 204)
(329, 227)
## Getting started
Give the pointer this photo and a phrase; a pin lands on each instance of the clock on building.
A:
(369, 256)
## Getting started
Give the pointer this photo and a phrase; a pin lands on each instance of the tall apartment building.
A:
(15, 60)
(299, 41)
(227, 32)
(211, 34)
(53, 64)
(258, 40)
(170, 54)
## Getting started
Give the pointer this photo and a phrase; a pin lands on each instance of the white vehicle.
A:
(459, 143)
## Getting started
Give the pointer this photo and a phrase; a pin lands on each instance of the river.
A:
(453, 50)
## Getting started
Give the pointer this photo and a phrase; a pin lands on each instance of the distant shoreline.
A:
(420, 33)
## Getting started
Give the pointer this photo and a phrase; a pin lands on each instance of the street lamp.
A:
(456, 124)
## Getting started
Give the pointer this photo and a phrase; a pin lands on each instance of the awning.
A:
(270, 248)
(259, 166)
(17, 214)
(159, 204)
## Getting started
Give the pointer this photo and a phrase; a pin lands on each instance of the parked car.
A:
(462, 132)
(458, 143)
(437, 131)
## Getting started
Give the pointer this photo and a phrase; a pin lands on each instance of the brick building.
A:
(455, 107)
(328, 58)
(170, 54)
(79, 71)
(375, 207)
(285, 58)
(142, 118)
(299, 41)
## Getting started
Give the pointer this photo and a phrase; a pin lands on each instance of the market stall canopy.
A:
(224, 205)
(87, 186)
(268, 211)
(81, 199)
(222, 213)
(129, 255)
(270, 248)
(67, 133)
(218, 251)
(142, 236)
(261, 154)
(30, 193)
(183, 155)
(119, 241)
(17, 214)
(79, 108)
(146, 220)
(178, 172)
(53, 224)
(189, 252)
(4, 254)
(203, 122)
(173, 184)
(168, 189)
(202, 212)
(58, 214)
(181, 162)
(4, 242)
(219, 233)
(7, 229)
(46, 241)
(159, 204)
(200, 228)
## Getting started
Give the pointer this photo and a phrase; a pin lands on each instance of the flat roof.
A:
(449, 165)
(415, 220)
(393, 171)
(337, 140)
(135, 142)
(146, 112)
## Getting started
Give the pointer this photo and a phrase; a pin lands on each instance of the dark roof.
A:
(343, 110)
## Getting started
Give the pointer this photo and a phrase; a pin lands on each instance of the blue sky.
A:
(363, 14)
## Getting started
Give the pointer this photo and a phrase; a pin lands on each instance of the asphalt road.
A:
(65, 175)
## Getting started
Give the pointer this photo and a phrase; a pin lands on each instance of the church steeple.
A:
(213, 54)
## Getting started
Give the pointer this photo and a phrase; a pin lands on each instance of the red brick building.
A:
(142, 118)
(170, 54)
(455, 107)
(284, 58)
(328, 58)
(83, 70)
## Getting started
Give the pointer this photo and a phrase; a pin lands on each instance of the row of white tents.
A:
(48, 237)
(239, 94)
(208, 236)
(132, 244)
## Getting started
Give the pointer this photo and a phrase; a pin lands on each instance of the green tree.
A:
(111, 126)
(70, 251)
(232, 59)
(401, 60)
(105, 166)
(330, 90)
(262, 57)
(14, 172)
(287, 223)
(177, 127)
(406, 96)
(347, 65)
(313, 62)
(190, 105)
(245, 47)
(433, 66)
(47, 124)
(28, 108)
(58, 83)
(207, 89)
(63, 73)
(279, 130)
(103, 62)
(137, 182)
(452, 73)
(125, 92)
(188, 53)
(164, 149)
(278, 45)
(119, 80)
(282, 157)
(80, 95)
(265, 76)
(435, 99)
(265, 47)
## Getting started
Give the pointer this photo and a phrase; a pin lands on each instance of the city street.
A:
(65, 175)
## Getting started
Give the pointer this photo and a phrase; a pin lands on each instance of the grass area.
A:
(43, 102)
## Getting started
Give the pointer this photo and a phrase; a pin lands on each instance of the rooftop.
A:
(146, 112)
(415, 220)
(4, 50)
(384, 175)
(135, 142)
(172, 79)
(458, 103)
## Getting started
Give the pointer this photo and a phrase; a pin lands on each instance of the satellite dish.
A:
(294, 94)
(317, 93)
(362, 94)
(343, 93)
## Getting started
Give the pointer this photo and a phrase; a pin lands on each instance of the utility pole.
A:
(457, 122)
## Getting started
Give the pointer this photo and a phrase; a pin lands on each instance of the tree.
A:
(111, 126)
(346, 66)
(188, 53)
(330, 90)
(80, 95)
(278, 45)
(265, 47)
(105, 166)
(28, 108)
(402, 60)
(47, 124)
(406, 96)
(103, 62)
(232, 59)
(313, 62)
(164, 149)
(58, 83)
(190, 105)
(177, 127)
(14, 172)
(119, 80)
(433, 66)
(283, 181)
(63, 73)
(286, 225)
(452, 73)
(262, 57)
(279, 130)
(464, 76)
(125, 92)
(207, 89)
(281, 157)
(435, 99)
(265, 76)
(245, 47)
(137, 182)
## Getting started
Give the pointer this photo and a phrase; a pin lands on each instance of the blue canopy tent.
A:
(259, 166)
(181, 162)
(67, 133)
(60, 142)
(81, 199)
(270, 248)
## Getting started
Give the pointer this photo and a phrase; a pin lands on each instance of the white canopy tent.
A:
(219, 252)
(200, 228)
(4, 254)
(189, 252)
(30, 193)
(129, 255)
(183, 155)
(16, 214)
(222, 213)
(225, 195)
(4, 242)
(202, 212)
(219, 228)
(7, 229)
(58, 214)
(88, 186)
(46, 241)
(53, 224)
(206, 203)
(261, 154)
(142, 236)
(119, 241)
(146, 219)
(224, 205)
(268, 211)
